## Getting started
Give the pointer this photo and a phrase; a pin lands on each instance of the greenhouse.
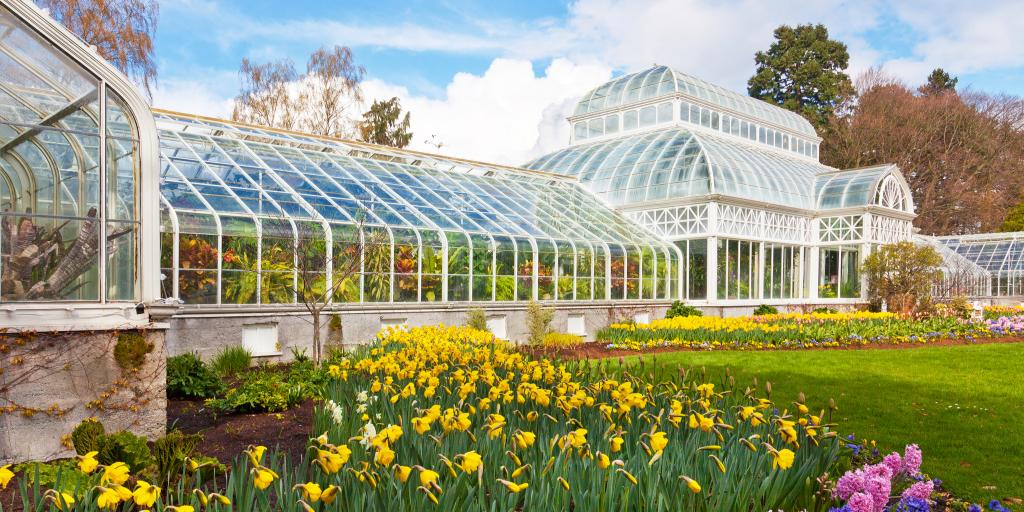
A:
(669, 188)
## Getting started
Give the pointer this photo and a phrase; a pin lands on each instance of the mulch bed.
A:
(598, 350)
(226, 436)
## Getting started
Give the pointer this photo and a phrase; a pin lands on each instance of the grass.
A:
(963, 404)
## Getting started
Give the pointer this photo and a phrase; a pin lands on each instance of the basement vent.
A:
(261, 339)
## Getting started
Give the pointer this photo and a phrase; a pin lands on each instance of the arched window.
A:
(70, 167)
(891, 194)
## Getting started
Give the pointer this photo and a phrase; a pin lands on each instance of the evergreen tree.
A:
(1014, 219)
(803, 71)
(384, 124)
(939, 82)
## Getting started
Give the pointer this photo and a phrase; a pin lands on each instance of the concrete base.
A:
(52, 381)
(208, 330)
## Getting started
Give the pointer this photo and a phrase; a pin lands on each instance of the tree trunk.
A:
(316, 336)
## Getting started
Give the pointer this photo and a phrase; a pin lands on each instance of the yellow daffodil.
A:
(428, 477)
(330, 461)
(62, 500)
(311, 491)
(616, 444)
(329, 494)
(87, 463)
(783, 459)
(514, 487)
(603, 461)
(5, 476)
(403, 472)
(658, 441)
(116, 473)
(263, 477)
(145, 494)
(255, 454)
(384, 456)
(470, 461)
(691, 484)
(108, 497)
(525, 439)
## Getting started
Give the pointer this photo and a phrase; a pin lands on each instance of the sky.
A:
(495, 80)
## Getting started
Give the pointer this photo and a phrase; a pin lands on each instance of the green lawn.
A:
(964, 405)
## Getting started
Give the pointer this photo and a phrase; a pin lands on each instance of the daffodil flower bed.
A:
(448, 418)
(788, 331)
(995, 312)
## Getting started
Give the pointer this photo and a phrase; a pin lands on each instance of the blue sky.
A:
(517, 66)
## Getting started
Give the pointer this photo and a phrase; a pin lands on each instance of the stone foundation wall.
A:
(52, 381)
(206, 333)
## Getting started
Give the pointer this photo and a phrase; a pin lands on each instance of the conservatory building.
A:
(134, 230)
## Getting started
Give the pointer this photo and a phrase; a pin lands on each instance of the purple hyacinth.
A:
(912, 459)
(920, 490)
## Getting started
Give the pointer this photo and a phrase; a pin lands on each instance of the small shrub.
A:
(266, 390)
(63, 476)
(561, 339)
(476, 318)
(825, 310)
(334, 324)
(189, 377)
(131, 349)
(171, 452)
(538, 322)
(765, 309)
(680, 309)
(129, 448)
(88, 436)
(232, 360)
(299, 355)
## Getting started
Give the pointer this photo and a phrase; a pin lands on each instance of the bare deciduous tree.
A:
(330, 89)
(264, 98)
(121, 30)
(320, 101)
(344, 262)
(962, 153)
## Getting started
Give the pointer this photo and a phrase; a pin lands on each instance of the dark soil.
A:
(226, 436)
(598, 350)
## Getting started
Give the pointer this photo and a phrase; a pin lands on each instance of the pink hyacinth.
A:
(912, 459)
(862, 502)
(893, 462)
(920, 490)
(879, 485)
(848, 484)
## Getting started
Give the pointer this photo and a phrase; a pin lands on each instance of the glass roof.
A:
(996, 252)
(215, 166)
(675, 163)
(856, 187)
(662, 81)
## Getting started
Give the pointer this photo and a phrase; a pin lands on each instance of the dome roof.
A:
(663, 81)
(675, 163)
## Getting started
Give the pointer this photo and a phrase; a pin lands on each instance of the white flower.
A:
(369, 432)
(361, 408)
(335, 411)
(362, 397)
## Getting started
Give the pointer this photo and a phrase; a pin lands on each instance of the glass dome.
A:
(675, 163)
(880, 185)
(662, 80)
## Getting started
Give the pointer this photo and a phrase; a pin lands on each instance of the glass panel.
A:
(545, 270)
(611, 123)
(648, 271)
(828, 284)
(596, 128)
(44, 258)
(697, 262)
(524, 270)
(345, 262)
(565, 271)
(432, 266)
(277, 260)
(407, 253)
(483, 268)
(584, 269)
(505, 282)
(600, 272)
(665, 112)
(580, 130)
(458, 266)
(629, 120)
(648, 116)
(377, 265)
(632, 272)
(850, 274)
(240, 260)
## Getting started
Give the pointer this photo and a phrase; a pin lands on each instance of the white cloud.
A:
(509, 114)
(506, 115)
